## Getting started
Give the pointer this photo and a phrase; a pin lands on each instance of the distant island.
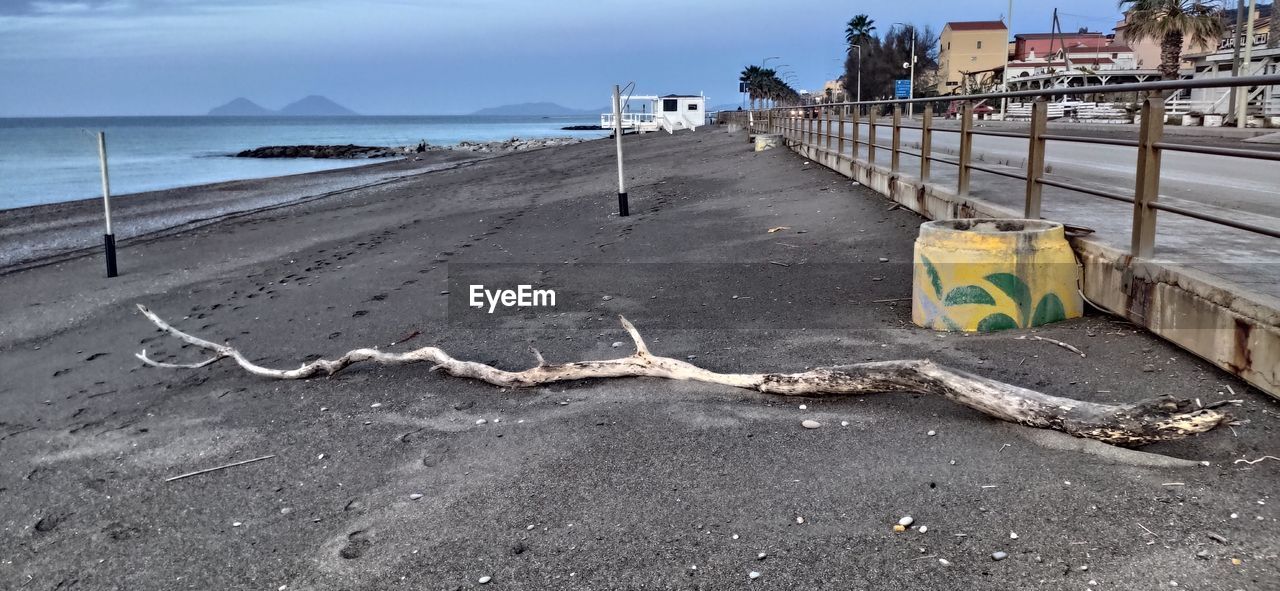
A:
(536, 110)
(311, 106)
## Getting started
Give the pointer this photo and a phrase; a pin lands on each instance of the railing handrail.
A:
(1265, 80)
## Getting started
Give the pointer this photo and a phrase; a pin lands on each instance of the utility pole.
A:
(617, 135)
(1004, 101)
(911, 77)
(1242, 96)
(109, 238)
(1235, 59)
(859, 83)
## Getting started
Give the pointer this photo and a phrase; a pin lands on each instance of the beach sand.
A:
(590, 485)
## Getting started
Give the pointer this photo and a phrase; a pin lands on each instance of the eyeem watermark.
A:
(523, 296)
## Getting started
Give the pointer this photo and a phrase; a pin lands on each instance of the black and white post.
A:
(108, 239)
(617, 136)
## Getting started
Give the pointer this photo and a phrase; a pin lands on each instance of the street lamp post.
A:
(911, 77)
(859, 47)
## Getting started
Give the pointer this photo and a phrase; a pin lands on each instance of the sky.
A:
(410, 57)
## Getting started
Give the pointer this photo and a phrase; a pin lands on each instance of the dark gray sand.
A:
(618, 484)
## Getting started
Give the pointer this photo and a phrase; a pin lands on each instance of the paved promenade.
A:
(599, 484)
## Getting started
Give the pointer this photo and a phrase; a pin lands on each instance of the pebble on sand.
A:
(803, 407)
(484, 579)
(754, 574)
(932, 433)
(811, 424)
(999, 556)
(906, 521)
(844, 423)
(415, 496)
(481, 421)
(761, 556)
(944, 562)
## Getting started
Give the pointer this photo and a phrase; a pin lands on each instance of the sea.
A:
(50, 160)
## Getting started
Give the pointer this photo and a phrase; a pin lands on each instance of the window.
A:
(952, 83)
(693, 106)
(669, 106)
(979, 44)
(948, 45)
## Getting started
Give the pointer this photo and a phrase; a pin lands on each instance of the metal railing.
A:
(821, 126)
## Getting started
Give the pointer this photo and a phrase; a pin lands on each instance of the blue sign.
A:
(902, 88)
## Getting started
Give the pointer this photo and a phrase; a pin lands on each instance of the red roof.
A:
(976, 25)
(1057, 35)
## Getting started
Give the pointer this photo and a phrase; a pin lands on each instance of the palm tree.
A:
(859, 28)
(751, 77)
(1171, 21)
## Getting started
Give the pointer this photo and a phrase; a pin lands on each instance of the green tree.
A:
(1170, 22)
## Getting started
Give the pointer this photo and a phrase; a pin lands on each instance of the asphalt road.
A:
(603, 484)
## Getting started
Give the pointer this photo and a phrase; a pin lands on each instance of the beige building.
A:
(969, 51)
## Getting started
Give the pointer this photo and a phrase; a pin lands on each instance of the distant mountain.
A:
(241, 107)
(312, 106)
(534, 110)
(315, 106)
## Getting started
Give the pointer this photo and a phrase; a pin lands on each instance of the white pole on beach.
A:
(617, 136)
(109, 238)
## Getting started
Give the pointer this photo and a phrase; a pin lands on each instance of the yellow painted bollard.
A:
(987, 275)
(767, 141)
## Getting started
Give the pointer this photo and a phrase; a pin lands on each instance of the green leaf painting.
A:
(1049, 309)
(969, 294)
(934, 280)
(1017, 291)
(996, 322)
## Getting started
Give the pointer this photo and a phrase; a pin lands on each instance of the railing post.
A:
(857, 131)
(844, 111)
(871, 134)
(1035, 158)
(926, 142)
(897, 138)
(966, 147)
(828, 110)
(1147, 187)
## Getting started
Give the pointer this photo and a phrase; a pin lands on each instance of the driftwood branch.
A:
(1139, 423)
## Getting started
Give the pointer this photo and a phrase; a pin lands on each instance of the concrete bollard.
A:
(991, 274)
(767, 141)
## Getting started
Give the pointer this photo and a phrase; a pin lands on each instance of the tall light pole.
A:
(911, 77)
(859, 47)
(1242, 97)
(1004, 85)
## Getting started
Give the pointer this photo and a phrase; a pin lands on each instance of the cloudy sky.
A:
(178, 57)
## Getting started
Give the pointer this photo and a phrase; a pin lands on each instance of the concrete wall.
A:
(1229, 326)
